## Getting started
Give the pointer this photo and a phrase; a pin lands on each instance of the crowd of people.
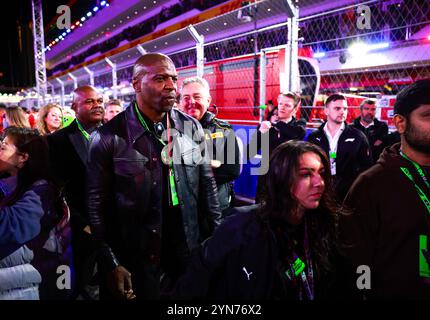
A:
(138, 203)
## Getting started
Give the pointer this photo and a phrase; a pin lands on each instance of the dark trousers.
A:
(84, 260)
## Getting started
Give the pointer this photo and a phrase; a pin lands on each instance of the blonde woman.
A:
(16, 116)
(50, 119)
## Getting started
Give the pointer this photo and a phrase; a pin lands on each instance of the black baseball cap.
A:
(412, 97)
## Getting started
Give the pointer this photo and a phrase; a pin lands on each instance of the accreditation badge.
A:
(167, 160)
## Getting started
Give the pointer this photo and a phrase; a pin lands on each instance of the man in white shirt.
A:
(346, 147)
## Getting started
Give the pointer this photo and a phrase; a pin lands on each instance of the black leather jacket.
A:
(125, 189)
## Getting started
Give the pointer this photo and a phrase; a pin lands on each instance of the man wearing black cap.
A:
(389, 228)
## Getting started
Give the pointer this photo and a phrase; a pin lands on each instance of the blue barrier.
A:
(246, 184)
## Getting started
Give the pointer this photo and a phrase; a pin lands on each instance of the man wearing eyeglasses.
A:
(152, 197)
(68, 155)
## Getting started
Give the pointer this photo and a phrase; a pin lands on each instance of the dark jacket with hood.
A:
(384, 229)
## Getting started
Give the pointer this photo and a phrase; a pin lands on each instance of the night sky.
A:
(16, 56)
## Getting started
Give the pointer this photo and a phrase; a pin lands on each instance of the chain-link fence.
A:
(232, 70)
(370, 49)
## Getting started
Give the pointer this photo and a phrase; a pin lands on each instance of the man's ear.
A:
(209, 100)
(135, 83)
(326, 110)
(400, 122)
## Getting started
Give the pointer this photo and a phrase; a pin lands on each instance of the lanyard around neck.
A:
(418, 168)
(173, 193)
(81, 129)
(143, 123)
(420, 171)
(297, 268)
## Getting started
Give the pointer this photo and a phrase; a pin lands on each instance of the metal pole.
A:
(200, 52)
(256, 108)
(61, 82)
(52, 90)
(91, 73)
(141, 49)
(294, 62)
(39, 51)
(75, 80)
(114, 78)
(289, 80)
(262, 82)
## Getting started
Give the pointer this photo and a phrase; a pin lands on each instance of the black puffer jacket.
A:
(125, 188)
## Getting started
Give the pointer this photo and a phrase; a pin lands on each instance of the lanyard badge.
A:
(332, 155)
(166, 157)
(296, 268)
(424, 257)
(424, 252)
(84, 133)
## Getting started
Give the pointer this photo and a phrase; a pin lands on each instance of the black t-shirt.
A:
(174, 248)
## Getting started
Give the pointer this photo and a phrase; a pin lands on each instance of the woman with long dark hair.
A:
(28, 211)
(284, 248)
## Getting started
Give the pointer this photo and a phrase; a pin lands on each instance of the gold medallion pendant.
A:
(167, 160)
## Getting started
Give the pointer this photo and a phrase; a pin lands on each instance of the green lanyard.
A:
(420, 192)
(424, 268)
(84, 133)
(173, 193)
(418, 168)
(143, 123)
(420, 171)
(423, 263)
